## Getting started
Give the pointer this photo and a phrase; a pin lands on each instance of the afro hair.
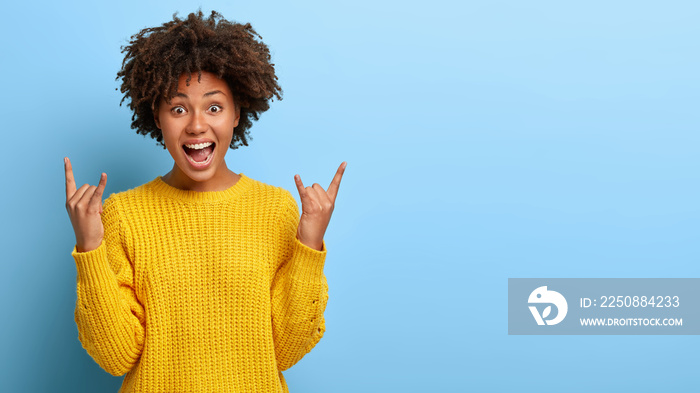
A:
(156, 57)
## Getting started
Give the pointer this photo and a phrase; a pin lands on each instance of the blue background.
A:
(484, 140)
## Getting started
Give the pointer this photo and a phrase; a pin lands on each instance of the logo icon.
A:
(542, 296)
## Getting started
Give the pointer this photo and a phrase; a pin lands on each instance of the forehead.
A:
(200, 85)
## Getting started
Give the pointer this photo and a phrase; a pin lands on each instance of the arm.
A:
(299, 291)
(110, 319)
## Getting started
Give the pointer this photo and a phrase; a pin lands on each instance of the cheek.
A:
(167, 128)
(170, 138)
(225, 129)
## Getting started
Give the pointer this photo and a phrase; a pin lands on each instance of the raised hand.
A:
(84, 207)
(316, 209)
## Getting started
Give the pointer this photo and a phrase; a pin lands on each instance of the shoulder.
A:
(279, 202)
(275, 196)
(122, 197)
(124, 200)
(282, 209)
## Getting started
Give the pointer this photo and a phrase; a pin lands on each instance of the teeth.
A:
(198, 146)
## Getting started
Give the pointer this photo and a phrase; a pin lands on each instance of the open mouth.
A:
(199, 154)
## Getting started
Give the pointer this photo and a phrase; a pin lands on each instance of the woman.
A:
(202, 279)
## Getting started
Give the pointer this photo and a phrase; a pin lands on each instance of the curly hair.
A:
(157, 56)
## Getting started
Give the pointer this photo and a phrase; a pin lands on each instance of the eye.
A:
(178, 110)
(215, 108)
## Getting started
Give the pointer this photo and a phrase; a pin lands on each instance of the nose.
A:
(198, 124)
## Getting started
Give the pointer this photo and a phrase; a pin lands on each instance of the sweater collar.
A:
(163, 188)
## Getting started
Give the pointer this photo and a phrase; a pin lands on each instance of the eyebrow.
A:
(211, 93)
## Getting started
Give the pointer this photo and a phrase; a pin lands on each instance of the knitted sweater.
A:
(200, 291)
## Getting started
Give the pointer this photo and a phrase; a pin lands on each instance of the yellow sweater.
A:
(200, 291)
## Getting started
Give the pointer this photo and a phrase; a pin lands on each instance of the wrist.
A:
(87, 247)
(315, 244)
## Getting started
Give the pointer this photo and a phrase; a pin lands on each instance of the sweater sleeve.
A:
(299, 291)
(110, 319)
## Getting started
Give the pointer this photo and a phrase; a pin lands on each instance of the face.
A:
(197, 127)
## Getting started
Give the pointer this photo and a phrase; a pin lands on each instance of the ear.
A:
(238, 116)
(155, 117)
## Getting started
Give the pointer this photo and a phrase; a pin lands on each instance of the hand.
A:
(84, 207)
(316, 209)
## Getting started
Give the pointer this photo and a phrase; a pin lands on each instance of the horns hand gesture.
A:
(84, 207)
(316, 209)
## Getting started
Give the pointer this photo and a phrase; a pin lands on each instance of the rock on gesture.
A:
(84, 207)
(316, 209)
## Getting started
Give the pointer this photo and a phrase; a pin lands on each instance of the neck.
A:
(223, 179)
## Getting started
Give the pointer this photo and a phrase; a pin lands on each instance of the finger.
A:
(87, 196)
(335, 183)
(96, 200)
(313, 203)
(101, 186)
(78, 195)
(70, 180)
(323, 197)
(301, 189)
